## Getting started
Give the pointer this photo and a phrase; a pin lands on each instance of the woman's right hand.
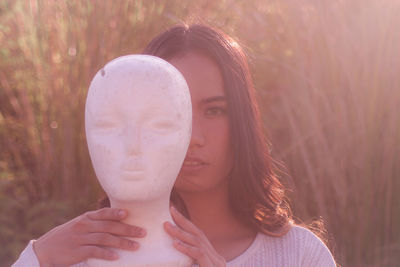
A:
(85, 237)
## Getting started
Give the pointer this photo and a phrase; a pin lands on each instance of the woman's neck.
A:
(211, 212)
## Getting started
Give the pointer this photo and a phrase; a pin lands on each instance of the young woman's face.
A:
(209, 158)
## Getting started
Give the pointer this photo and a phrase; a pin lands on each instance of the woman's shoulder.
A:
(303, 243)
(295, 234)
(298, 233)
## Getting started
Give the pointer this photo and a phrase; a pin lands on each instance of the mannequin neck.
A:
(148, 214)
(156, 247)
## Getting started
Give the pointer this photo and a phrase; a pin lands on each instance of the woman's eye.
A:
(215, 111)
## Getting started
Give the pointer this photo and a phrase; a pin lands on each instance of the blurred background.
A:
(328, 78)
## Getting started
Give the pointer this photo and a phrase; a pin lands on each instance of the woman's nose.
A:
(198, 138)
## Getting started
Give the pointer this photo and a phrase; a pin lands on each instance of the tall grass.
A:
(327, 73)
(335, 119)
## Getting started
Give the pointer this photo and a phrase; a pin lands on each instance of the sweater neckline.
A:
(248, 252)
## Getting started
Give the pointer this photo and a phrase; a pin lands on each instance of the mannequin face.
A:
(138, 123)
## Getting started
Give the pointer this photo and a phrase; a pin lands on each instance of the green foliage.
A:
(327, 78)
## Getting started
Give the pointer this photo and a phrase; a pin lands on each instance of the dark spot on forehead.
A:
(103, 72)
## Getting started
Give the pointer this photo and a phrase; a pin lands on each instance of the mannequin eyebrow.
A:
(213, 99)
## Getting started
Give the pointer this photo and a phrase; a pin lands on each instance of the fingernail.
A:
(114, 255)
(142, 232)
(134, 244)
(121, 213)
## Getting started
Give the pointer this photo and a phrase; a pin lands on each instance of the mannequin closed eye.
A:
(163, 126)
(104, 126)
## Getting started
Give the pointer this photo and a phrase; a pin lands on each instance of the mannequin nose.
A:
(198, 138)
(133, 141)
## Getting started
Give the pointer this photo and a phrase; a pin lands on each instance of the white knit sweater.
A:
(298, 248)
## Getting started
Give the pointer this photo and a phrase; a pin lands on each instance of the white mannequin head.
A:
(138, 123)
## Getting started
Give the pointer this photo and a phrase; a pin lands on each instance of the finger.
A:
(202, 243)
(116, 228)
(180, 234)
(184, 223)
(196, 253)
(107, 214)
(108, 240)
(97, 252)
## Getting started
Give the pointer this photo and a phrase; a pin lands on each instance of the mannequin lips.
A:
(132, 174)
(132, 169)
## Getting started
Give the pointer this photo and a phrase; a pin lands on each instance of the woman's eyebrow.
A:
(213, 99)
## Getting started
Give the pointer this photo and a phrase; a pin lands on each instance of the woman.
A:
(231, 205)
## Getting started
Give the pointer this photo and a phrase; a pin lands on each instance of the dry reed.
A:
(327, 73)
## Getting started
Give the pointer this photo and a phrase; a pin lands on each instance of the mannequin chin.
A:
(138, 119)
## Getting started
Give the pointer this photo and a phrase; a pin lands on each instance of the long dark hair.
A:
(256, 195)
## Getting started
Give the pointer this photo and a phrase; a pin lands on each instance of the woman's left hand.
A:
(191, 241)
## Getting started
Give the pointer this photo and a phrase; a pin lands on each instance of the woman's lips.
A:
(193, 164)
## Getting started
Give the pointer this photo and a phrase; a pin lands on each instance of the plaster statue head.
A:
(138, 124)
(138, 121)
